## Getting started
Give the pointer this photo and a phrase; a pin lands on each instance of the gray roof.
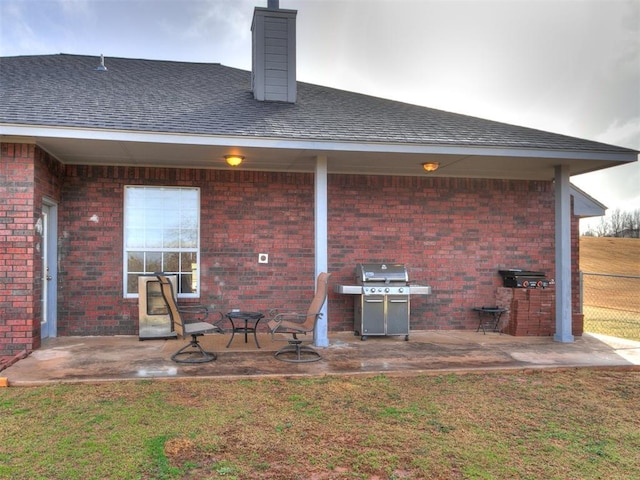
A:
(212, 99)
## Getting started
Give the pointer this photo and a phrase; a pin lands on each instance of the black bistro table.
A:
(244, 322)
(489, 317)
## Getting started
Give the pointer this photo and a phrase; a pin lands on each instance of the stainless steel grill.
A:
(384, 304)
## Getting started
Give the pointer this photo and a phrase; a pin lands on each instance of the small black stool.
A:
(489, 317)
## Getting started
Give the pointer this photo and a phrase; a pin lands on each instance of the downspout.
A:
(321, 338)
(563, 255)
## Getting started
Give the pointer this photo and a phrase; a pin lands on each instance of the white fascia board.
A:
(302, 144)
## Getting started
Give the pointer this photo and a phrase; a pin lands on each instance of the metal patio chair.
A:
(294, 324)
(193, 351)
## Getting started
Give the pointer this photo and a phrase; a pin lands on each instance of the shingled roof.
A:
(212, 99)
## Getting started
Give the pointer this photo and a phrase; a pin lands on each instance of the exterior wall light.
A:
(234, 160)
(430, 166)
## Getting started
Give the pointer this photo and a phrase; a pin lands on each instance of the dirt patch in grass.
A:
(572, 424)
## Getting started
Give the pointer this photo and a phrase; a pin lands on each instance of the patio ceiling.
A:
(118, 148)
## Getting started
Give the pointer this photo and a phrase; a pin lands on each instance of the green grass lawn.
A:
(580, 424)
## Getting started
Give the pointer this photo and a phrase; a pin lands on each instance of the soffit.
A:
(365, 159)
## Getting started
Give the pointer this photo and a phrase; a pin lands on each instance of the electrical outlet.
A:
(263, 258)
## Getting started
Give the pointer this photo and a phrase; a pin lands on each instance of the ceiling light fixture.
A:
(430, 166)
(234, 160)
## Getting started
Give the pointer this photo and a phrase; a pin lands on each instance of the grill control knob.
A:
(401, 290)
(386, 290)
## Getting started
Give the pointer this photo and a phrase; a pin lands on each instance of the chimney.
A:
(273, 63)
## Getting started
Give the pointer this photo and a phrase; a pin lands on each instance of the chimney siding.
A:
(274, 55)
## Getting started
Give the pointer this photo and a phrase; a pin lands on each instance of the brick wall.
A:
(16, 260)
(26, 175)
(454, 234)
(242, 214)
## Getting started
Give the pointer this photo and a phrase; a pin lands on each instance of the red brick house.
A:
(116, 169)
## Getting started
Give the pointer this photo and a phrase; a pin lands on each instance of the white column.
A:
(563, 255)
(321, 333)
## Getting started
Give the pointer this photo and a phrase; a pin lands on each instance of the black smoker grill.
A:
(383, 307)
(516, 278)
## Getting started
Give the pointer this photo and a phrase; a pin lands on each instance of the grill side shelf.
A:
(420, 290)
(348, 289)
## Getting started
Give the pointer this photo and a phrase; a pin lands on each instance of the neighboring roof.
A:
(211, 99)
(585, 205)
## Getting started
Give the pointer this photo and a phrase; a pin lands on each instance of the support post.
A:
(563, 255)
(321, 257)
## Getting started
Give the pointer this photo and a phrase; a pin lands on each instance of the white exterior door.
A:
(48, 250)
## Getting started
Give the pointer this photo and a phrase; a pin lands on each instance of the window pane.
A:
(189, 219)
(171, 262)
(134, 238)
(153, 262)
(186, 284)
(135, 218)
(188, 262)
(189, 238)
(153, 238)
(135, 197)
(171, 238)
(132, 283)
(157, 216)
(135, 262)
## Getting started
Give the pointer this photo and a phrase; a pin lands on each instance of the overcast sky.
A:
(565, 66)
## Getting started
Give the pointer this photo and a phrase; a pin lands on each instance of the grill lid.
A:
(516, 272)
(381, 273)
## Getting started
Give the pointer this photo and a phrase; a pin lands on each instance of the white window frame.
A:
(125, 249)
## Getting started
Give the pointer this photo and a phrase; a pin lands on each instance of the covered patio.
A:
(125, 358)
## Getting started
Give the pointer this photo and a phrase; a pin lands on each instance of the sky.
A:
(564, 66)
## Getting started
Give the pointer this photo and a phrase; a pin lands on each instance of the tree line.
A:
(617, 224)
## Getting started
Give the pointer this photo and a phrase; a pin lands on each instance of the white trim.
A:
(301, 144)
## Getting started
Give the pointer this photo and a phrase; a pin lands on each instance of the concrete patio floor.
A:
(125, 358)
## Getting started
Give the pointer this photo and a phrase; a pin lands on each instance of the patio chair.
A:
(193, 351)
(297, 323)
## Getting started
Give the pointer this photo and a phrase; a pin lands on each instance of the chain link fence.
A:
(611, 304)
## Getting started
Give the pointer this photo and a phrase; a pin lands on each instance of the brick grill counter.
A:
(531, 311)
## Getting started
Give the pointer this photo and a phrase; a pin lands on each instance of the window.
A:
(162, 234)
